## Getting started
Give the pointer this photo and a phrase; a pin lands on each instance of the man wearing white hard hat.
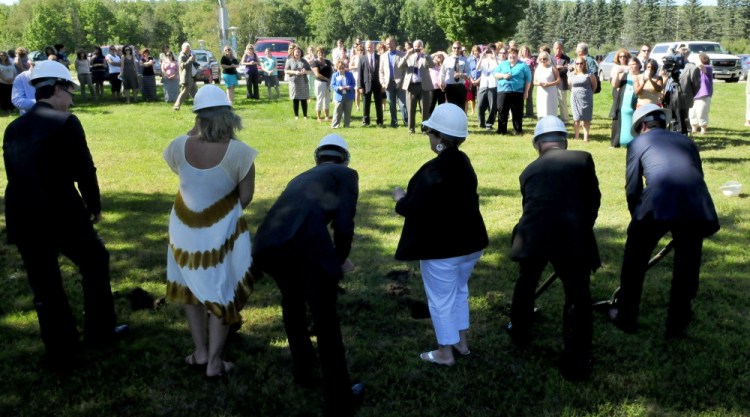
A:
(293, 244)
(51, 203)
(560, 205)
(444, 230)
(675, 199)
(217, 181)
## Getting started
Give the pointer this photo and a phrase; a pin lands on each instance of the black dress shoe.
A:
(627, 326)
(520, 338)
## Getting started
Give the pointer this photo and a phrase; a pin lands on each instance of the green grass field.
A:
(707, 374)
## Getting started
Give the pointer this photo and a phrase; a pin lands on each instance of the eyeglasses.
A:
(579, 63)
(67, 91)
(645, 50)
(544, 59)
(455, 47)
(622, 56)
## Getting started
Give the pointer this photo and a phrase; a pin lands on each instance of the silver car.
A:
(605, 67)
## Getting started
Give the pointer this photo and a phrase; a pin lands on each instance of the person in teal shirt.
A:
(271, 75)
(514, 81)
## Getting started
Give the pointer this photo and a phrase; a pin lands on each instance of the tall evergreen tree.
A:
(693, 20)
(614, 23)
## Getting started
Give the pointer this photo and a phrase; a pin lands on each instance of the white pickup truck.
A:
(726, 67)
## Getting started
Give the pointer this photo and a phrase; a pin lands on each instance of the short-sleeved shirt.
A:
(325, 68)
(520, 74)
(225, 60)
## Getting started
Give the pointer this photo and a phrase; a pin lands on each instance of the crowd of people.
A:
(497, 82)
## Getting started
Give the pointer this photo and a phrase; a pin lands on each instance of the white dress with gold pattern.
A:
(209, 254)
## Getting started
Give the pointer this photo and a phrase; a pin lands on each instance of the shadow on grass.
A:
(144, 375)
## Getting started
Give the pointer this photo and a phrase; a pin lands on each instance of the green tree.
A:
(47, 26)
(614, 23)
(478, 21)
(417, 22)
(286, 18)
(531, 29)
(693, 21)
(325, 20)
(96, 18)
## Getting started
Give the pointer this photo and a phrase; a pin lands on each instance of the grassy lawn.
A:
(707, 374)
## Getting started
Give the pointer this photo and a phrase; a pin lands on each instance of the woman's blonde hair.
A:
(218, 123)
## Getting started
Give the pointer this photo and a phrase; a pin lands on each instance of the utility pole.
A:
(223, 24)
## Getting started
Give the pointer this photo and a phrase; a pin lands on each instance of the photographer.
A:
(680, 90)
(416, 66)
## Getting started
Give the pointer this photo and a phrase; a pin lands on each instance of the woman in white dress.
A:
(208, 260)
(546, 78)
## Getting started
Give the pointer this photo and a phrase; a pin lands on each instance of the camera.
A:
(672, 64)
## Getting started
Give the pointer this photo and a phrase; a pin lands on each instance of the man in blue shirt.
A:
(514, 81)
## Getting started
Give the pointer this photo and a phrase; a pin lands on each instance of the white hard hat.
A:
(50, 73)
(449, 120)
(327, 147)
(210, 96)
(647, 113)
(550, 124)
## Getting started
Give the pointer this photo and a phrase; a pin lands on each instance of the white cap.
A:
(210, 96)
(50, 73)
(330, 141)
(449, 120)
(647, 113)
(549, 124)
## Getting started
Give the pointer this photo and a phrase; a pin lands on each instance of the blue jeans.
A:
(392, 94)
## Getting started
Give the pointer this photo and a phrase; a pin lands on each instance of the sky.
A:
(704, 2)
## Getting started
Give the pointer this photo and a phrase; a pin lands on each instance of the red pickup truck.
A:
(279, 47)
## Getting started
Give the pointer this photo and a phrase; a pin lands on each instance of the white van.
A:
(726, 67)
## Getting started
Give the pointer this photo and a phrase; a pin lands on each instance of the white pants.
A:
(322, 95)
(698, 114)
(446, 283)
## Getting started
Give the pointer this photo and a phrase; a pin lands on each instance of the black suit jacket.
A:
(564, 61)
(560, 204)
(441, 210)
(297, 224)
(675, 188)
(46, 156)
(368, 75)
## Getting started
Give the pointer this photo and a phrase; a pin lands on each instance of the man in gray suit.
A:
(417, 83)
(392, 78)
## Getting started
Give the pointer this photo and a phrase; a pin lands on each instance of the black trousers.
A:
(437, 96)
(486, 101)
(577, 316)
(643, 236)
(253, 78)
(456, 94)
(56, 322)
(296, 104)
(373, 96)
(509, 102)
(303, 285)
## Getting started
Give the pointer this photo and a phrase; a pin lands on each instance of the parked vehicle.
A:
(279, 50)
(726, 67)
(605, 67)
(208, 70)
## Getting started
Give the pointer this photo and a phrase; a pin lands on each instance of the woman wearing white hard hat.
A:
(444, 230)
(208, 261)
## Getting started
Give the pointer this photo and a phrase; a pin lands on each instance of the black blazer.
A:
(46, 156)
(367, 77)
(441, 210)
(672, 167)
(298, 222)
(560, 204)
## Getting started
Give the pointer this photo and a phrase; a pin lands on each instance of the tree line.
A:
(604, 24)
